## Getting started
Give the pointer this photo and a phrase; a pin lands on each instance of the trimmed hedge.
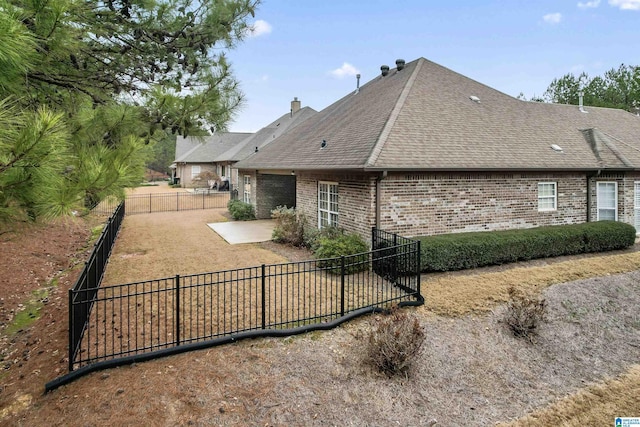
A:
(470, 250)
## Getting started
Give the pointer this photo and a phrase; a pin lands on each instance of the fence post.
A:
(342, 286)
(203, 199)
(418, 268)
(177, 201)
(264, 305)
(177, 310)
(71, 332)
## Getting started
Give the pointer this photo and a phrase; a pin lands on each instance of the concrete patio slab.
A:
(235, 232)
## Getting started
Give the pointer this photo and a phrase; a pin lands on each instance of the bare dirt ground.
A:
(583, 368)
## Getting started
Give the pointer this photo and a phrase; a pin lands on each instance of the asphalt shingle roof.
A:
(207, 148)
(423, 118)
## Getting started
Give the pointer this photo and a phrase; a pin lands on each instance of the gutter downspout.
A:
(589, 176)
(379, 178)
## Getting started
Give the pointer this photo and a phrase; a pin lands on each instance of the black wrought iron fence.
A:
(167, 202)
(118, 324)
(89, 280)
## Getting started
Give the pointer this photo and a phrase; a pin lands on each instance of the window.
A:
(247, 189)
(222, 170)
(547, 196)
(636, 205)
(195, 171)
(607, 201)
(327, 204)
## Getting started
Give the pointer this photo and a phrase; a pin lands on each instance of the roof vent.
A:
(557, 148)
(474, 99)
(581, 102)
(323, 144)
(256, 150)
(385, 70)
(357, 83)
(399, 64)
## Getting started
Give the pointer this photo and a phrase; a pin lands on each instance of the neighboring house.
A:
(220, 152)
(422, 150)
(195, 155)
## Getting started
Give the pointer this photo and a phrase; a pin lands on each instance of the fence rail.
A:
(142, 317)
(89, 280)
(167, 202)
(113, 325)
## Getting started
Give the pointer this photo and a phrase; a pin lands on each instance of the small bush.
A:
(524, 314)
(289, 227)
(241, 211)
(330, 249)
(394, 342)
(315, 237)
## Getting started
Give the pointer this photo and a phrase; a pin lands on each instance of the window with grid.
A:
(327, 204)
(547, 196)
(195, 171)
(247, 189)
(607, 201)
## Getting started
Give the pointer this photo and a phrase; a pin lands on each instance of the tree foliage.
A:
(88, 87)
(617, 88)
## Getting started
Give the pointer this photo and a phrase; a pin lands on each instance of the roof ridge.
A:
(386, 130)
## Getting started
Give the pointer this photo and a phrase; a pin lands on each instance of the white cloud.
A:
(259, 28)
(626, 4)
(552, 18)
(347, 70)
(589, 4)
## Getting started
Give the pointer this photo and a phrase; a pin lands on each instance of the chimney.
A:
(357, 83)
(399, 64)
(385, 70)
(295, 105)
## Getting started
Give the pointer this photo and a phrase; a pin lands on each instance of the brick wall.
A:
(427, 204)
(272, 191)
(183, 171)
(356, 200)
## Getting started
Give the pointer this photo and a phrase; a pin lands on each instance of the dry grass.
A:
(596, 405)
(459, 295)
(471, 369)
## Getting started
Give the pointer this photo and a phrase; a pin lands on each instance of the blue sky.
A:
(312, 49)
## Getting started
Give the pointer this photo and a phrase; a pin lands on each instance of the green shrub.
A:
(472, 250)
(394, 342)
(289, 227)
(241, 211)
(330, 247)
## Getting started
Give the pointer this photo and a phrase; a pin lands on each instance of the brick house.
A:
(220, 152)
(422, 150)
(195, 155)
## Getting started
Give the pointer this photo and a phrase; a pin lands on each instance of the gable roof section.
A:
(206, 149)
(423, 118)
(265, 135)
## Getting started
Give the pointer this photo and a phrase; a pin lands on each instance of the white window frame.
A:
(636, 205)
(195, 171)
(553, 197)
(246, 195)
(600, 202)
(222, 170)
(327, 208)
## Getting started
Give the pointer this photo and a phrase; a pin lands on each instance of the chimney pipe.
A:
(295, 105)
(357, 83)
(399, 64)
(581, 101)
(385, 70)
